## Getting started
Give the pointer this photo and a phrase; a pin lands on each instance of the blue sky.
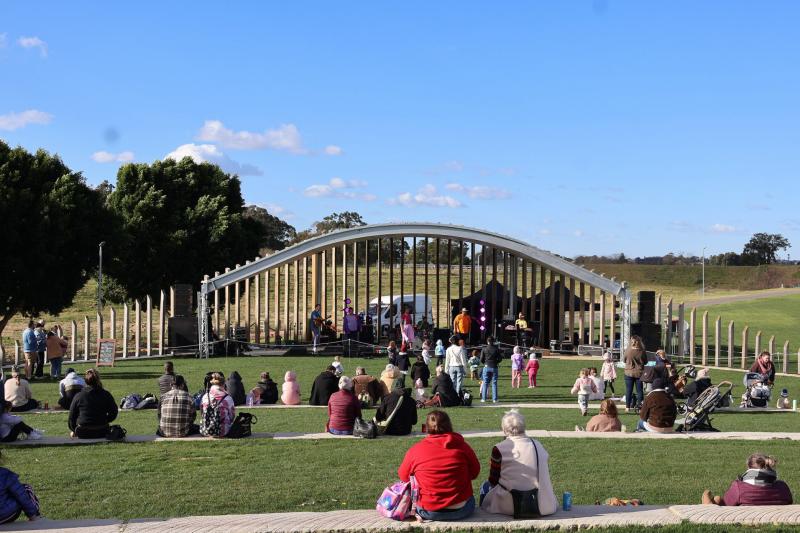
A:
(580, 126)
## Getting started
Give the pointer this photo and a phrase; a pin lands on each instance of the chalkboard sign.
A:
(106, 348)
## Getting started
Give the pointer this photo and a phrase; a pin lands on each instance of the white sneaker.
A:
(483, 401)
(494, 401)
(35, 435)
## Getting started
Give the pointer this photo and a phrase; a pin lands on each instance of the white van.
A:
(415, 302)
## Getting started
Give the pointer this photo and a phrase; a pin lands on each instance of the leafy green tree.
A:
(53, 223)
(180, 220)
(277, 233)
(762, 249)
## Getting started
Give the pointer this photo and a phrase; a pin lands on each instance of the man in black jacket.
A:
(269, 389)
(326, 384)
(406, 415)
(490, 357)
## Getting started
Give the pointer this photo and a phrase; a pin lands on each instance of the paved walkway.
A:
(580, 517)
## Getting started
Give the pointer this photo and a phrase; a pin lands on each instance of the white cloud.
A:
(332, 149)
(544, 231)
(425, 196)
(13, 121)
(278, 211)
(578, 233)
(208, 153)
(478, 191)
(339, 188)
(108, 157)
(722, 228)
(3, 40)
(33, 42)
(285, 138)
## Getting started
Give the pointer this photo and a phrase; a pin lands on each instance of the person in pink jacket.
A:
(291, 389)
(608, 373)
(532, 368)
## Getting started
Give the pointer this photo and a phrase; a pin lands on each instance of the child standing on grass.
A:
(608, 372)
(426, 352)
(439, 351)
(583, 387)
(598, 384)
(517, 360)
(474, 362)
(532, 369)
(337, 364)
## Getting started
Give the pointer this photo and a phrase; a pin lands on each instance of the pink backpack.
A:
(398, 500)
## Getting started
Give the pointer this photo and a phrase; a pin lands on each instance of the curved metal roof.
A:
(415, 229)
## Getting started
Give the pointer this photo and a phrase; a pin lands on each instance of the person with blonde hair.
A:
(607, 420)
(635, 359)
(517, 463)
(217, 398)
(759, 485)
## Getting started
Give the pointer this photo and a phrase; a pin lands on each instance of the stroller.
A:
(757, 393)
(697, 417)
(679, 379)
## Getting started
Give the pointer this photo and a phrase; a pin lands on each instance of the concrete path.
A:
(580, 517)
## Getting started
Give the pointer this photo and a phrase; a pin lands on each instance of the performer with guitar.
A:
(316, 322)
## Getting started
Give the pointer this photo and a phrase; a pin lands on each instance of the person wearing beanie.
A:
(783, 400)
(658, 411)
(694, 389)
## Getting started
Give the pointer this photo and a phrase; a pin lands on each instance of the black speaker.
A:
(182, 331)
(647, 306)
(650, 334)
(183, 299)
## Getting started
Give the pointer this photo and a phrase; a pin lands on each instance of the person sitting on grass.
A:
(324, 386)
(18, 392)
(517, 463)
(68, 387)
(763, 365)
(167, 379)
(12, 426)
(218, 397)
(92, 409)
(607, 420)
(235, 388)
(420, 370)
(343, 409)
(290, 390)
(444, 466)
(269, 389)
(658, 411)
(694, 389)
(759, 485)
(389, 376)
(365, 386)
(443, 392)
(177, 411)
(404, 408)
(16, 498)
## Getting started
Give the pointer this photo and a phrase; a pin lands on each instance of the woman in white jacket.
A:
(455, 362)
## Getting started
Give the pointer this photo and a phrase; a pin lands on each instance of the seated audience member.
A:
(167, 379)
(324, 386)
(253, 397)
(68, 387)
(783, 401)
(390, 378)
(759, 485)
(177, 411)
(337, 365)
(517, 463)
(217, 396)
(694, 389)
(18, 392)
(235, 388)
(658, 411)
(443, 392)
(607, 420)
(269, 389)
(444, 466)
(420, 370)
(419, 392)
(290, 390)
(12, 426)
(16, 498)
(363, 384)
(56, 348)
(763, 365)
(343, 408)
(403, 413)
(92, 409)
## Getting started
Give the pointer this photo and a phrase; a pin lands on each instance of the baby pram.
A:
(757, 393)
(697, 417)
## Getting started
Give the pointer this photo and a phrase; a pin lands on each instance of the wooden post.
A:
(149, 324)
(439, 322)
(137, 332)
(85, 338)
(449, 303)
(561, 305)
(717, 337)
(682, 330)
(414, 280)
(296, 300)
(334, 305)
(287, 323)
(216, 309)
(705, 339)
(16, 352)
(277, 302)
(571, 320)
(582, 314)
(162, 301)
(257, 306)
(692, 334)
(237, 303)
(471, 276)
(379, 308)
(324, 283)
(73, 339)
(552, 307)
(98, 318)
(613, 324)
(247, 308)
(658, 309)
(390, 325)
(402, 275)
(112, 323)
(227, 307)
(172, 298)
(786, 357)
(772, 345)
(366, 278)
(602, 318)
(266, 307)
(743, 362)
(126, 329)
(461, 276)
(668, 342)
(757, 344)
(731, 344)
(591, 313)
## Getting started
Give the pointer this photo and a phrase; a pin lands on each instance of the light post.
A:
(704, 273)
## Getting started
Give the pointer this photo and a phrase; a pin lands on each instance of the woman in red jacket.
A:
(444, 466)
(343, 409)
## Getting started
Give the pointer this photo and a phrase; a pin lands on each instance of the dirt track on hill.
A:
(754, 295)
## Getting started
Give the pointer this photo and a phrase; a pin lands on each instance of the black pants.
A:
(91, 432)
(21, 427)
(32, 404)
(38, 366)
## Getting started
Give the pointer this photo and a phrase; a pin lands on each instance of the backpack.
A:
(211, 423)
(466, 398)
(398, 500)
(130, 401)
(648, 374)
(148, 402)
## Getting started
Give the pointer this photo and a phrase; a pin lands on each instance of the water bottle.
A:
(566, 501)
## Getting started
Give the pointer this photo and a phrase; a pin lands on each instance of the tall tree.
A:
(53, 223)
(180, 220)
(277, 235)
(762, 249)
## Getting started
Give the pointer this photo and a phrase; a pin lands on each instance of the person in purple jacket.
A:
(758, 486)
(16, 498)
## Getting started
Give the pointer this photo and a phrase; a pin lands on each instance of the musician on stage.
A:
(462, 325)
(521, 326)
(316, 322)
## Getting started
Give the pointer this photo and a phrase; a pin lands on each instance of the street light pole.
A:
(704, 272)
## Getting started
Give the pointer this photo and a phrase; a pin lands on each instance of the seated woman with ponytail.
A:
(759, 485)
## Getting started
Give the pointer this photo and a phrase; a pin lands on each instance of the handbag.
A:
(526, 502)
(364, 429)
(242, 426)
(648, 374)
(383, 425)
(116, 433)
